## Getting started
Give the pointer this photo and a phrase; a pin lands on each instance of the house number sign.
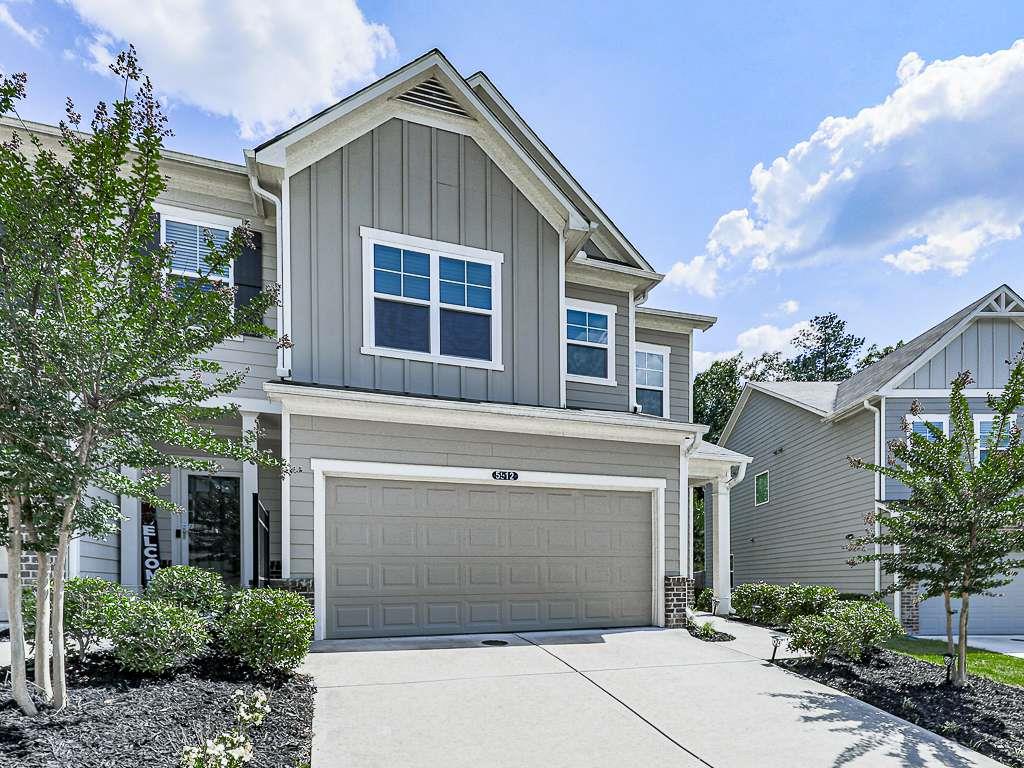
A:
(504, 474)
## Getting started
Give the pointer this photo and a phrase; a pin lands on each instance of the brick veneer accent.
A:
(300, 585)
(910, 609)
(678, 597)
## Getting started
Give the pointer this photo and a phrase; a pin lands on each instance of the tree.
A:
(964, 519)
(875, 353)
(825, 351)
(103, 346)
(715, 392)
(768, 366)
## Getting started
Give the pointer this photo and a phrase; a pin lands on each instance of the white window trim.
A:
(766, 473)
(935, 418)
(596, 308)
(435, 249)
(666, 353)
(199, 219)
(978, 419)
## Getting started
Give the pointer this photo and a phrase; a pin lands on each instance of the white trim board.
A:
(324, 468)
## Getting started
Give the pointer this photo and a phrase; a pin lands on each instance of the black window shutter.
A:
(249, 271)
(154, 241)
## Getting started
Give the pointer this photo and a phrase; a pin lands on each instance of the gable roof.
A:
(817, 397)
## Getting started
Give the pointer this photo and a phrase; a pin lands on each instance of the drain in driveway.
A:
(494, 642)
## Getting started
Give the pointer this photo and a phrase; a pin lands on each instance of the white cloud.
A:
(926, 180)
(33, 37)
(697, 276)
(753, 342)
(789, 307)
(263, 63)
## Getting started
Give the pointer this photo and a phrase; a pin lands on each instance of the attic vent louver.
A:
(430, 93)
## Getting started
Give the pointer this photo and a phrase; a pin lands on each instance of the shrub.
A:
(758, 602)
(703, 601)
(805, 600)
(846, 629)
(703, 630)
(89, 605)
(268, 628)
(188, 587)
(151, 636)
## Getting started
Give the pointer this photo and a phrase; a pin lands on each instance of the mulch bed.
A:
(116, 720)
(717, 637)
(986, 716)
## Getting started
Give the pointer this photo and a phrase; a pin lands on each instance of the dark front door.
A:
(214, 525)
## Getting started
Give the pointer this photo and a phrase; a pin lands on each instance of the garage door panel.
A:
(1000, 614)
(419, 558)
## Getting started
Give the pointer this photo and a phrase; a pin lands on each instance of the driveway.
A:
(643, 697)
(1011, 645)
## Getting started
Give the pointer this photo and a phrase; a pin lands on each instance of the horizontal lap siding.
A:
(100, 557)
(606, 398)
(422, 181)
(817, 499)
(679, 369)
(983, 349)
(317, 437)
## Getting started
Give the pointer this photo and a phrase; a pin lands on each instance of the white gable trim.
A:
(378, 103)
(984, 309)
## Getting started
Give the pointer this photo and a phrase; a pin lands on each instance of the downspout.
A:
(270, 197)
(878, 483)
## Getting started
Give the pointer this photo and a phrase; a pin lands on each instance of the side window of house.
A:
(762, 490)
(191, 247)
(983, 428)
(431, 301)
(590, 342)
(652, 362)
(919, 425)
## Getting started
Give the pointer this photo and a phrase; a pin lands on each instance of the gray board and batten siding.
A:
(983, 348)
(816, 499)
(422, 181)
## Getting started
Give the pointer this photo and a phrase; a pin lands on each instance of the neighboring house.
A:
(493, 431)
(801, 502)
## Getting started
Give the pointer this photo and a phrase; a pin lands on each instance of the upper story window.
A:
(190, 233)
(431, 301)
(919, 424)
(762, 488)
(651, 362)
(984, 426)
(590, 342)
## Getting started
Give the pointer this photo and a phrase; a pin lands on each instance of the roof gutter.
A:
(270, 197)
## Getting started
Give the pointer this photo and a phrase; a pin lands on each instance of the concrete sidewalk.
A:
(643, 697)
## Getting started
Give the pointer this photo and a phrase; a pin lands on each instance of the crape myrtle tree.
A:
(103, 347)
(956, 533)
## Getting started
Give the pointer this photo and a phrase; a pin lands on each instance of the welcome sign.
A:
(150, 542)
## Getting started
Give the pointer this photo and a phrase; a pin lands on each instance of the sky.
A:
(775, 160)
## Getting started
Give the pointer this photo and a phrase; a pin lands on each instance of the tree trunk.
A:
(60, 695)
(961, 661)
(19, 681)
(42, 646)
(949, 622)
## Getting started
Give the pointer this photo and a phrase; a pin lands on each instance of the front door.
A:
(213, 535)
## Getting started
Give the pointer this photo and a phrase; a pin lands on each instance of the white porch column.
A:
(131, 537)
(249, 487)
(722, 547)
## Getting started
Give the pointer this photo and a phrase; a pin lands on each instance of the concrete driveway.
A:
(644, 697)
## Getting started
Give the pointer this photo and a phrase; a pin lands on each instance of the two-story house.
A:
(801, 503)
(492, 429)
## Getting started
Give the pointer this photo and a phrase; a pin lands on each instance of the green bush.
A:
(758, 602)
(89, 605)
(151, 636)
(703, 601)
(805, 600)
(268, 628)
(846, 629)
(703, 630)
(188, 587)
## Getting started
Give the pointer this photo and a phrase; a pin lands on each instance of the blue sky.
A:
(903, 210)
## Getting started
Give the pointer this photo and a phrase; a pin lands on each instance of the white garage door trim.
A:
(324, 468)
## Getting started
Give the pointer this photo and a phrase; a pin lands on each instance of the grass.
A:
(995, 666)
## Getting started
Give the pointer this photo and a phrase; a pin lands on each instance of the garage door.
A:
(1003, 615)
(412, 558)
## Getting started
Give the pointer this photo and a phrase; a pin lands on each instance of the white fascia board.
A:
(497, 417)
(943, 393)
(480, 80)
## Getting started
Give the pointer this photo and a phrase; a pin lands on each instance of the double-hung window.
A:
(590, 342)
(431, 301)
(651, 362)
(984, 426)
(919, 424)
(190, 232)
